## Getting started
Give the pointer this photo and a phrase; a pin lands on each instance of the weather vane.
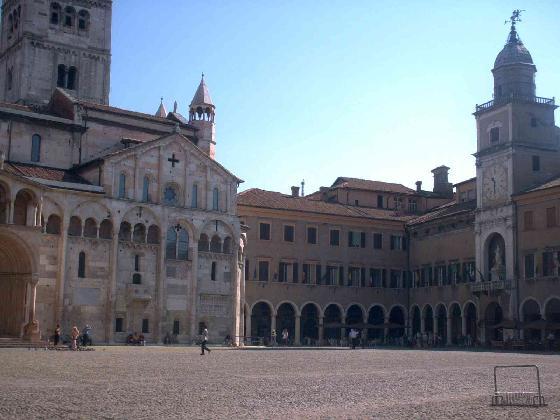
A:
(515, 17)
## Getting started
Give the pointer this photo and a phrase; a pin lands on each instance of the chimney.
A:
(418, 186)
(441, 182)
(295, 191)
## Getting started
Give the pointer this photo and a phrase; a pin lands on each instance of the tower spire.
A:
(513, 37)
(161, 112)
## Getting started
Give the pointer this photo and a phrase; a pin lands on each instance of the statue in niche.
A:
(497, 272)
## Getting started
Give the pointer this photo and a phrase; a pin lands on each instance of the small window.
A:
(334, 239)
(529, 266)
(412, 206)
(213, 271)
(35, 148)
(533, 122)
(55, 13)
(119, 324)
(528, 220)
(356, 239)
(215, 199)
(264, 231)
(494, 135)
(146, 190)
(72, 78)
(263, 270)
(396, 242)
(69, 16)
(137, 262)
(82, 265)
(551, 217)
(122, 185)
(145, 325)
(380, 201)
(176, 329)
(288, 233)
(536, 163)
(377, 241)
(136, 278)
(61, 78)
(194, 196)
(312, 235)
(83, 20)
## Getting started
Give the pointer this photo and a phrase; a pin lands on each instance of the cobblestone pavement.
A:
(176, 382)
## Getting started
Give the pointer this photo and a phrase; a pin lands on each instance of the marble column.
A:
(321, 331)
(386, 330)
(298, 331)
(464, 326)
(449, 331)
(31, 331)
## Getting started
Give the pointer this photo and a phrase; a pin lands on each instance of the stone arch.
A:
(493, 315)
(227, 247)
(397, 315)
(90, 228)
(531, 311)
(153, 235)
(25, 207)
(139, 233)
(106, 229)
(309, 331)
(456, 320)
(75, 226)
(428, 316)
(332, 315)
(355, 314)
(125, 232)
(471, 320)
(441, 327)
(216, 244)
(286, 313)
(203, 243)
(416, 320)
(54, 225)
(261, 319)
(552, 310)
(218, 226)
(376, 316)
(91, 209)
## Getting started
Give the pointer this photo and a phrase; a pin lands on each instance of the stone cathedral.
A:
(108, 217)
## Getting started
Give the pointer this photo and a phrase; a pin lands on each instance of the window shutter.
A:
(341, 275)
(362, 277)
(318, 273)
(363, 239)
(295, 273)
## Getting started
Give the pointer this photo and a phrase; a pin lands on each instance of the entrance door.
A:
(12, 305)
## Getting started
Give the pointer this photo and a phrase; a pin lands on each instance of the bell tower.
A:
(201, 115)
(49, 44)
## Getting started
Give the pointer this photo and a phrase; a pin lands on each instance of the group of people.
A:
(285, 337)
(75, 336)
(136, 339)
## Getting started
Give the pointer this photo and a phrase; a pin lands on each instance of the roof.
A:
(202, 95)
(551, 183)
(514, 52)
(42, 172)
(256, 197)
(366, 184)
(465, 181)
(449, 209)
(161, 111)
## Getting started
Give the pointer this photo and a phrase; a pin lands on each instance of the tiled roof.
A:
(449, 209)
(555, 182)
(366, 184)
(43, 172)
(16, 106)
(202, 95)
(255, 197)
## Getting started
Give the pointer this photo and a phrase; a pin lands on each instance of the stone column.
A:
(464, 326)
(11, 211)
(273, 325)
(386, 330)
(248, 325)
(112, 292)
(297, 340)
(62, 251)
(321, 331)
(194, 288)
(422, 324)
(31, 331)
(449, 331)
(160, 310)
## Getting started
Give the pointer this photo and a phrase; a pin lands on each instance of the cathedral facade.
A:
(479, 259)
(108, 217)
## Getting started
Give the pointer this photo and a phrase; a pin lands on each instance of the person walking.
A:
(273, 338)
(57, 332)
(203, 345)
(285, 335)
(353, 336)
(74, 335)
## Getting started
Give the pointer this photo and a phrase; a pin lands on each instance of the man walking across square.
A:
(204, 341)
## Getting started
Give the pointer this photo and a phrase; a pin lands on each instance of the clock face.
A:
(494, 183)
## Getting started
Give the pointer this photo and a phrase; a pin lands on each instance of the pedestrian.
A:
(273, 338)
(203, 345)
(550, 338)
(74, 335)
(353, 335)
(285, 336)
(57, 332)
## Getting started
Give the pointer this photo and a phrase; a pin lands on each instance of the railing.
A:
(517, 99)
(491, 286)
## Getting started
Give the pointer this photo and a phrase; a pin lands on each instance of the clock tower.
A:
(517, 147)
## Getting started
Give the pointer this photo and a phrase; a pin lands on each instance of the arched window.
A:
(22, 208)
(10, 79)
(213, 271)
(153, 235)
(90, 228)
(55, 13)
(215, 199)
(203, 244)
(146, 189)
(136, 278)
(72, 81)
(227, 245)
(35, 148)
(61, 76)
(139, 234)
(170, 196)
(83, 20)
(75, 227)
(122, 185)
(183, 245)
(106, 229)
(82, 265)
(216, 244)
(194, 196)
(171, 244)
(53, 225)
(125, 232)
(69, 16)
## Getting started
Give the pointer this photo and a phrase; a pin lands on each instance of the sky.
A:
(314, 90)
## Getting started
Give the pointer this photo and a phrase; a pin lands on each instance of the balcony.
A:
(138, 292)
(490, 286)
(515, 99)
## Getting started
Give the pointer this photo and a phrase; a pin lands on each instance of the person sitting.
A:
(141, 340)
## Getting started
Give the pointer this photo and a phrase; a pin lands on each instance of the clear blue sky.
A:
(314, 90)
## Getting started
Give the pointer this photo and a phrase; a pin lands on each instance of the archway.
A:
(309, 323)
(552, 314)
(333, 316)
(261, 316)
(416, 321)
(471, 320)
(428, 319)
(441, 312)
(456, 323)
(15, 277)
(286, 319)
(493, 316)
(354, 316)
(531, 312)
(396, 316)
(376, 316)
